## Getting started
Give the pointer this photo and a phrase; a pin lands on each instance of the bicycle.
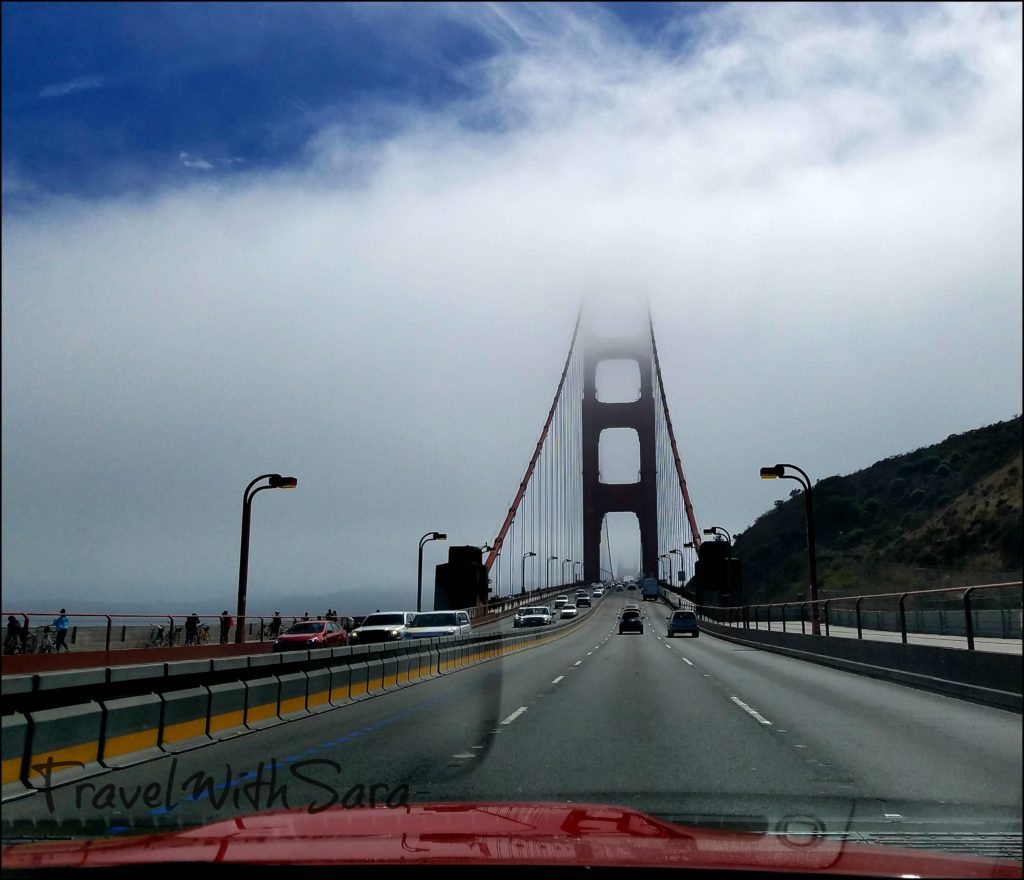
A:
(49, 644)
(204, 634)
(171, 639)
(14, 643)
(156, 637)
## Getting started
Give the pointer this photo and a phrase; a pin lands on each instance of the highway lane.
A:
(688, 728)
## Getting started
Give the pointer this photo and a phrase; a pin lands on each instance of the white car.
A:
(598, 591)
(569, 611)
(384, 626)
(439, 625)
(560, 601)
(538, 615)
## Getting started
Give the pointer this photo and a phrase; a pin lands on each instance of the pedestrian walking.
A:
(61, 624)
(192, 629)
(225, 625)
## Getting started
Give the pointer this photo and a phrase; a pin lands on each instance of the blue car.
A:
(683, 622)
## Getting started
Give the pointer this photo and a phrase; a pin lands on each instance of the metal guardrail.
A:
(116, 627)
(833, 614)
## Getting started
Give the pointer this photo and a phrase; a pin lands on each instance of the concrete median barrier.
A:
(341, 679)
(404, 661)
(65, 745)
(185, 719)
(318, 697)
(389, 672)
(227, 710)
(15, 748)
(261, 702)
(131, 731)
(359, 680)
(374, 675)
(292, 702)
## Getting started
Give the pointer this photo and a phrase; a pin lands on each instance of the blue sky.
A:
(348, 242)
(105, 98)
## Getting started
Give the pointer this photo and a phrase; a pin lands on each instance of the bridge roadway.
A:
(697, 730)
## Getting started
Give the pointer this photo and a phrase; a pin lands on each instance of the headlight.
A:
(394, 633)
(353, 635)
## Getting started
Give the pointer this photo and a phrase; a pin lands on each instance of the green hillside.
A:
(909, 521)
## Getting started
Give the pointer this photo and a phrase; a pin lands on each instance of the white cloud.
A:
(78, 84)
(822, 203)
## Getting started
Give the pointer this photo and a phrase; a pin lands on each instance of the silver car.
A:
(384, 626)
(439, 624)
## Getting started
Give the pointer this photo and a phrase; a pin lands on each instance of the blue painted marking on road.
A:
(458, 692)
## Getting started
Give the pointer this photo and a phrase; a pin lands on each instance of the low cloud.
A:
(822, 204)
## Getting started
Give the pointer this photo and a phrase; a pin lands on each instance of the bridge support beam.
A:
(600, 499)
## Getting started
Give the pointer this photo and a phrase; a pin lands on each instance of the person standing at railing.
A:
(225, 626)
(192, 629)
(61, 624)
(14, 642)
(275, 625)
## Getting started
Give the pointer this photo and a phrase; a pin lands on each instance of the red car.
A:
(308, 634)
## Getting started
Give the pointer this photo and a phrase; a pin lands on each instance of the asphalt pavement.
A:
(696, 730)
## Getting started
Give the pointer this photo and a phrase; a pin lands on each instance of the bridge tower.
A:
(640, 498)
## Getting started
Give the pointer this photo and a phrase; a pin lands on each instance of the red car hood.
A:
(495, 834)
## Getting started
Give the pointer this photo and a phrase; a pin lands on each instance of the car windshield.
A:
(300, 628)
(440, 619)
(311, 310)
(384, 620)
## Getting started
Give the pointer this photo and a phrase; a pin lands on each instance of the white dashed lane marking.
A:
(750, 711)
(577, 663)
(557, 680)
(514, 715)
(687, 661)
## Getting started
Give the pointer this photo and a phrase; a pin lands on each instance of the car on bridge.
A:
(684, 622)
(584, 601)
(631, 621)
(439, 625)
(310, 634)
(384, 626)
(536, 615)
(561, 601)
(569, 611)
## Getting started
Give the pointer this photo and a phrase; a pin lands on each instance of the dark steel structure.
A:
(600, 499)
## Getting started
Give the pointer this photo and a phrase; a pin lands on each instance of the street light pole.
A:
(719, 530)
(779, 472)
(565, 562)
(429, 536)
(679, 553)
(575, 573)
(548, 573)
(274, 481)
(522, 582)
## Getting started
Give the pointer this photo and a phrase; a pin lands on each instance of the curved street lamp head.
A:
(439, 536)
(680, 552)
(529, 554)
(279, 482)
(552, 557)
(773, 473)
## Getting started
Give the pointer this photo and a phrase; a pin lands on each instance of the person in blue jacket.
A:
(61, 625)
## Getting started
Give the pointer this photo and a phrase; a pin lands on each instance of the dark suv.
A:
(631, 621)
(683, 622)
